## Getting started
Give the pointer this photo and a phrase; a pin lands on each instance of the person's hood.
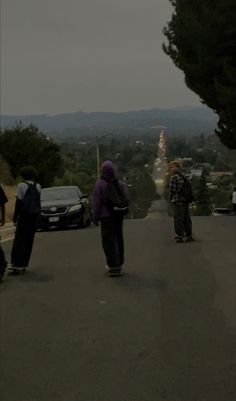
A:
(108, 170)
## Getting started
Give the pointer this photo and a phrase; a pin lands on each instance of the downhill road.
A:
(164, 332)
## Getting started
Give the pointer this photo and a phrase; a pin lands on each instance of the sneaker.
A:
(16, 269)
(178, 239)
(115, 272)
(189, 239)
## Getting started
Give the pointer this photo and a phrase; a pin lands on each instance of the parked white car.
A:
(222, 211)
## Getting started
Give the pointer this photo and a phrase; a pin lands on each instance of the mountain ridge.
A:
(173, 119)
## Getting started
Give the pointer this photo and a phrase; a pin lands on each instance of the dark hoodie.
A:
(108, 173)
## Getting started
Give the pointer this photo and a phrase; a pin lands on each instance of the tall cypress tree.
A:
(202, 43)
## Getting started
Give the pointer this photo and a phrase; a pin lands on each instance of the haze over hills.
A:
(185, 120)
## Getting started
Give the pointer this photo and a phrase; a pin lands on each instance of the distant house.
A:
(207, 166)
(218, 174)
(196, 172)
(186, 159)
(210, 185)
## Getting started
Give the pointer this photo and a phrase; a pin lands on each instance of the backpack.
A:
(31, 202)
(186, 190)
(116, 200)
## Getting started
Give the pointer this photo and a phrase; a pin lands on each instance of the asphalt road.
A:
(164, 332)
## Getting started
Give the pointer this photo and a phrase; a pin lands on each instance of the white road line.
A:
(7, 239)
(4, 230)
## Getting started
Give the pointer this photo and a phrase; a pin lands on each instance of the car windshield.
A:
(51, 194)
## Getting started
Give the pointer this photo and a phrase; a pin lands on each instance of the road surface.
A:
(163, 332)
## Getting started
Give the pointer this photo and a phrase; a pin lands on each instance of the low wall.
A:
(10, 192)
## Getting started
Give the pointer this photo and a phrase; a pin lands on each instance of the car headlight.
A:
(75, 208)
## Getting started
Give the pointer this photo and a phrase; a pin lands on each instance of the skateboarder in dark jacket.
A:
(3, 201)
(24, 219)
(182, 219)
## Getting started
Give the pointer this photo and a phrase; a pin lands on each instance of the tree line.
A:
(74, 162)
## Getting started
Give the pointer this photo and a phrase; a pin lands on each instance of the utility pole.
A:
(98, 152)
(98, 159)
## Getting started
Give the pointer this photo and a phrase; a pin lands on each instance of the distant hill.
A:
(191, 120)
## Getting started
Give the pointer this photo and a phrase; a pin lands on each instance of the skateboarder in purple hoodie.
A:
(110, 204)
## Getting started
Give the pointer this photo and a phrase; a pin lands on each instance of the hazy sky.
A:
(91, 55)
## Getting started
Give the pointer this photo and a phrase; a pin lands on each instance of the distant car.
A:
(222, 211)
(64, 206)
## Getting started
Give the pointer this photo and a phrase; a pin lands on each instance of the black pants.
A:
(182, 220)
(23, 242)
(3, 262)
(112, 240)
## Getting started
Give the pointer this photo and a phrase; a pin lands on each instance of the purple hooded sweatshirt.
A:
(108, 173)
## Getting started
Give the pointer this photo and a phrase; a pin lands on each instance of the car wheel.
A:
(83, 222)
(88, 222)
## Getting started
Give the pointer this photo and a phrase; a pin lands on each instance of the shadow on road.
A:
(136, 281)
(32, 276)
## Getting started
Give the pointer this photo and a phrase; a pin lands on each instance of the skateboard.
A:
(15, 269)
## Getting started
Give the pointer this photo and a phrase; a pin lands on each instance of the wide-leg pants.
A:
(112, 240)
(23, 241)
